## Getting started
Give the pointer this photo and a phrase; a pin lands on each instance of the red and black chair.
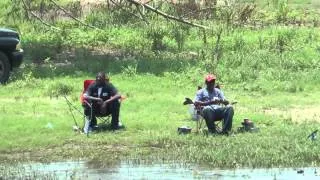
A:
(86, 84)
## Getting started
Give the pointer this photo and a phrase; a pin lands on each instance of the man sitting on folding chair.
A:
(102, 99)
(210, 100)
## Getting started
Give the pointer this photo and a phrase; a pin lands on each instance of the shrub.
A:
(58, 89)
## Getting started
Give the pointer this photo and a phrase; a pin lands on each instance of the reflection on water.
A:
(127, 170)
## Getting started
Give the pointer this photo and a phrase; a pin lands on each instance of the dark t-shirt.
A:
(104, 91)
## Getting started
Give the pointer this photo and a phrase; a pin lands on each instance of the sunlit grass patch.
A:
(151, 113)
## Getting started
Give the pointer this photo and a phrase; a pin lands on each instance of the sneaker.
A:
(94, 128)
(115, 127)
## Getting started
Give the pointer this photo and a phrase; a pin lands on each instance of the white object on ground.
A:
(86, 128)
(193, 112)
(49, 126)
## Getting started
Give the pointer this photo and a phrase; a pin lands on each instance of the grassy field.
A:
(35, 127)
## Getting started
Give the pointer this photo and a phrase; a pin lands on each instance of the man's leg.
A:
(113, 108)
(210, 114)
(227, 118)
(93, 122)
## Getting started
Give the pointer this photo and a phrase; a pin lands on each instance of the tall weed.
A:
(283, 10)
(180, 34)
(156, 33)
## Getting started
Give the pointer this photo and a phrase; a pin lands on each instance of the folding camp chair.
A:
(200, 121)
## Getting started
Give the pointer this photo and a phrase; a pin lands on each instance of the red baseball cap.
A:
(210, 77)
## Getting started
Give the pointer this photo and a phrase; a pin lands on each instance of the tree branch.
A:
(167, 15)
(37, 17)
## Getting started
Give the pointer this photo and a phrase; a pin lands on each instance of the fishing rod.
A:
(70, 109)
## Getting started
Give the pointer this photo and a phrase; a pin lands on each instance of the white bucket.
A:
(193, 112)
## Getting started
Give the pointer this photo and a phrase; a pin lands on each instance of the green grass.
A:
(152, 113)
(271, 69)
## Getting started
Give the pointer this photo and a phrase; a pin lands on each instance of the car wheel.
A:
(4, 68)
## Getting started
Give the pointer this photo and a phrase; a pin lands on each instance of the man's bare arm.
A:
(86, 96)
(214, 101)
(116, 96)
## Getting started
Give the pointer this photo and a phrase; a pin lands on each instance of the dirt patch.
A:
(297, 114)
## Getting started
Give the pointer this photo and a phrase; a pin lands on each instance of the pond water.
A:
(129, 170)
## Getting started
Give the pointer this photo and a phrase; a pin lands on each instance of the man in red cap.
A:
(211, 100)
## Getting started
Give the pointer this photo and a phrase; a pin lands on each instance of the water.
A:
(127, 170)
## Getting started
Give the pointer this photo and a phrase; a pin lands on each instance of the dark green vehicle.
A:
(11, 54)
